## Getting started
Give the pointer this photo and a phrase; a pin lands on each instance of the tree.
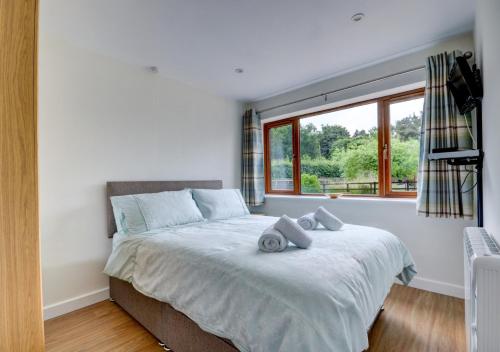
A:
(361, 133)
(309, 141)
(361, 161)
(404, 155)
(373, 132)
(329, 135)
(333, 153)
(408, 128)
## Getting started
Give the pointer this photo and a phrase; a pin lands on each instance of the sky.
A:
(364, 117)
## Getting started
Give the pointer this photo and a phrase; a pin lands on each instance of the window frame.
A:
(295, 152)
(384, 143)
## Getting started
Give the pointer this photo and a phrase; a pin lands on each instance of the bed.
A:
(206, 287)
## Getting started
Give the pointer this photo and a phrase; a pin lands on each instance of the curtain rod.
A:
(341, 89)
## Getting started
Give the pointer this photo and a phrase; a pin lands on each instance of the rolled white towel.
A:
(272, 240)
(307, 222)
(293, 232)
(327, 219)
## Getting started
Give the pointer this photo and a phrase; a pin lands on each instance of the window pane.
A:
(280, 142)
(405, 119)
(339, 151)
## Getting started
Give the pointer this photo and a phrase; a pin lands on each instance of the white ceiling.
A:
(281, 44)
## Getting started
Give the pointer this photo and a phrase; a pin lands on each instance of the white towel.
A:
(293, 232)
(272, 240)
(307, 222)
(327, 219)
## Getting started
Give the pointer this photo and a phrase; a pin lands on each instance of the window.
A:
(282, 157)
(404, 117)
(369, 148)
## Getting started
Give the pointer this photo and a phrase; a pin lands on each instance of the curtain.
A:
(443, 190)
(252, 171)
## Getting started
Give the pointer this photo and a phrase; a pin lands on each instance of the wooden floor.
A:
(413, 321)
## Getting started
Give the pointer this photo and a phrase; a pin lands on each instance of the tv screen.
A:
(465, 85)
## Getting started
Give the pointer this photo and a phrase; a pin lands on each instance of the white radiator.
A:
(482, 290)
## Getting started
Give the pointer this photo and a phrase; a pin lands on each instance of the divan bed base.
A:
(169, 326)
(175, 331)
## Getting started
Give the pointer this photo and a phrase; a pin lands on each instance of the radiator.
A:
(482, 290)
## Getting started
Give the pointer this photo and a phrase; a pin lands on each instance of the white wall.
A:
(401, 63)
(436, 244)
(101, 120)
(488, 47)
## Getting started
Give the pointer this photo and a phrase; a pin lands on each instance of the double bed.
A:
(205, 286)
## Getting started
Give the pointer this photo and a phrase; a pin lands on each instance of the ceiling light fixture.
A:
(239, 70)
(357, 17)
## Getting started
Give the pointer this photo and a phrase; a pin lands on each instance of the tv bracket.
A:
(461, 157)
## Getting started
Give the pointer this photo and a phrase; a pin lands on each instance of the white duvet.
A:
(320, 299)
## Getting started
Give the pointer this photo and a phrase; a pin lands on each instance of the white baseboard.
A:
(54, 310)
(60, 308)
(443, 288)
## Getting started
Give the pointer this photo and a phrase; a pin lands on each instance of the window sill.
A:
(344, 199)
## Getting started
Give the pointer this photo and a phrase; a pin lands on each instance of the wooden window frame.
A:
(384, 105)
(384, 146)
(295, 123)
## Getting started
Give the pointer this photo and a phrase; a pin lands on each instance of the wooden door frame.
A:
(21, 318)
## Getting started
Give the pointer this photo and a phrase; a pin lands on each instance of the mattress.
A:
(323, 298)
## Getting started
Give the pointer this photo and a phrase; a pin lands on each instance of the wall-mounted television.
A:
(465, 84)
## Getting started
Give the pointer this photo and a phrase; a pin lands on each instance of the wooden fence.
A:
(340, 186)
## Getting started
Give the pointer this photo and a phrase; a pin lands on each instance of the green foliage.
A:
(309, 141)
(320, 167)
(333, 153)
(341, 144)
(408, 128)
(314, 143)
(361, 160)
(310, 183)
(329, 135)
(373, 132)
(361, 133)
(404, 155)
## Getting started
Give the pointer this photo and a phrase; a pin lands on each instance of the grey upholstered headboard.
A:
(120, 188)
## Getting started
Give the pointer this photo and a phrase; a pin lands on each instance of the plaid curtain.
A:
(252, 170)
(443, 190)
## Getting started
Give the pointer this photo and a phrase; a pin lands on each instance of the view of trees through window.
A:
(405, 123)
(339, 150)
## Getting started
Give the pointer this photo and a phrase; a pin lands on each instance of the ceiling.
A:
(280, 44)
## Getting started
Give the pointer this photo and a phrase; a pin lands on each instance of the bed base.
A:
(174, 330)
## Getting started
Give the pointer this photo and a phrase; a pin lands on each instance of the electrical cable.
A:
(474, 142)
(469, 172)
(471, 188)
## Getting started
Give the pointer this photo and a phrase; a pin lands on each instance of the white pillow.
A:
(169, 208)
(128, 216)
(220, 203)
